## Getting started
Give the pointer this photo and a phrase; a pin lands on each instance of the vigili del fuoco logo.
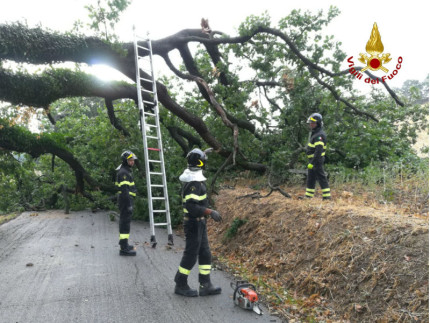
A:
(375, 60)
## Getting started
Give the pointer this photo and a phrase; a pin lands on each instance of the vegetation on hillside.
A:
(352, 259)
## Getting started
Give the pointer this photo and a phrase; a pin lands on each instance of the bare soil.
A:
(344, 260)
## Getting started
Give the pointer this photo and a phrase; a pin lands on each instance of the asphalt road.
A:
(66, 268)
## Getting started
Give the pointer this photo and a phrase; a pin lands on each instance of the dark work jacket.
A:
(316, 147)
(126, 187)
(194, 199)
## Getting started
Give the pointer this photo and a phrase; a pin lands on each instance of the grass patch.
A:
(8, 217)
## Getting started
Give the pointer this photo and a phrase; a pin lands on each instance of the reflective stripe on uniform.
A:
(194, 197)
(185, 210)
(311, 145)
(310, 192)
(132, 194)
(184, 271)
(205, 269)
(124, 183)
(312, 156)
(124, 236)
(326, 192)
(319, 143)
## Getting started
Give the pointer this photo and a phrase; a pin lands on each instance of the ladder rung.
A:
(154, 149)
(152, 125)
(142, 38)
(157, 224)
(149, 102)
(158, 211)
(149, 114)
(155, 173)
(154, 161)
(152, 137)
(147, 91)
(138, 46)
(157, 185)
(158, 198)
(146, 80)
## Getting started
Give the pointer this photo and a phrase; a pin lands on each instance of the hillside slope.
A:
(332, 261)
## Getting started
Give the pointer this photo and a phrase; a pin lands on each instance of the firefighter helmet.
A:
(128, 155)
(196, 158)
(315, 117)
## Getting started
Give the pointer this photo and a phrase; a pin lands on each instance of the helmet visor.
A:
(131, 156)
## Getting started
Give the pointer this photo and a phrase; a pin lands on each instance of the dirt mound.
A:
(326, 261)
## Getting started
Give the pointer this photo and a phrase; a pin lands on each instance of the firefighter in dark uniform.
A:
(316, 155)
(196, 213)
(127, 192)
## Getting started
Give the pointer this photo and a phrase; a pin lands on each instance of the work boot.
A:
(206, 288)
(209, 289)
(185, 290)
(126, 249)
(182, 287)
(127, 246)
(127, 252)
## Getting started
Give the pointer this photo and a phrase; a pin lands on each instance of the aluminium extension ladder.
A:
(158, 199)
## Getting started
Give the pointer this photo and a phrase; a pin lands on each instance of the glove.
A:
(130, 209)
(310, 166)
(216, 216)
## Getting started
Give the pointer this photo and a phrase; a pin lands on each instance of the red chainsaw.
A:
(245, 296)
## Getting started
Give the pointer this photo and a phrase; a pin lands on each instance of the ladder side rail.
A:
(145, 144)
(138, 86)
(160, 144)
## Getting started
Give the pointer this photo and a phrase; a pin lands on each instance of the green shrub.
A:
(234, 227)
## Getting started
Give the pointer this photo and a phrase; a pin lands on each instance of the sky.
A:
(403, 26)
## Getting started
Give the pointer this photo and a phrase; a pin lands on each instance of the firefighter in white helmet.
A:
(196, 213)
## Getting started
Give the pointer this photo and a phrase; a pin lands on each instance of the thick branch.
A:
(173, 131)
(203, 89)
(242, 39)
(219, 109)
(21, 140)
(214, 178)
(373, 77)
(339, 98)
(51, 85)
(113, 120)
